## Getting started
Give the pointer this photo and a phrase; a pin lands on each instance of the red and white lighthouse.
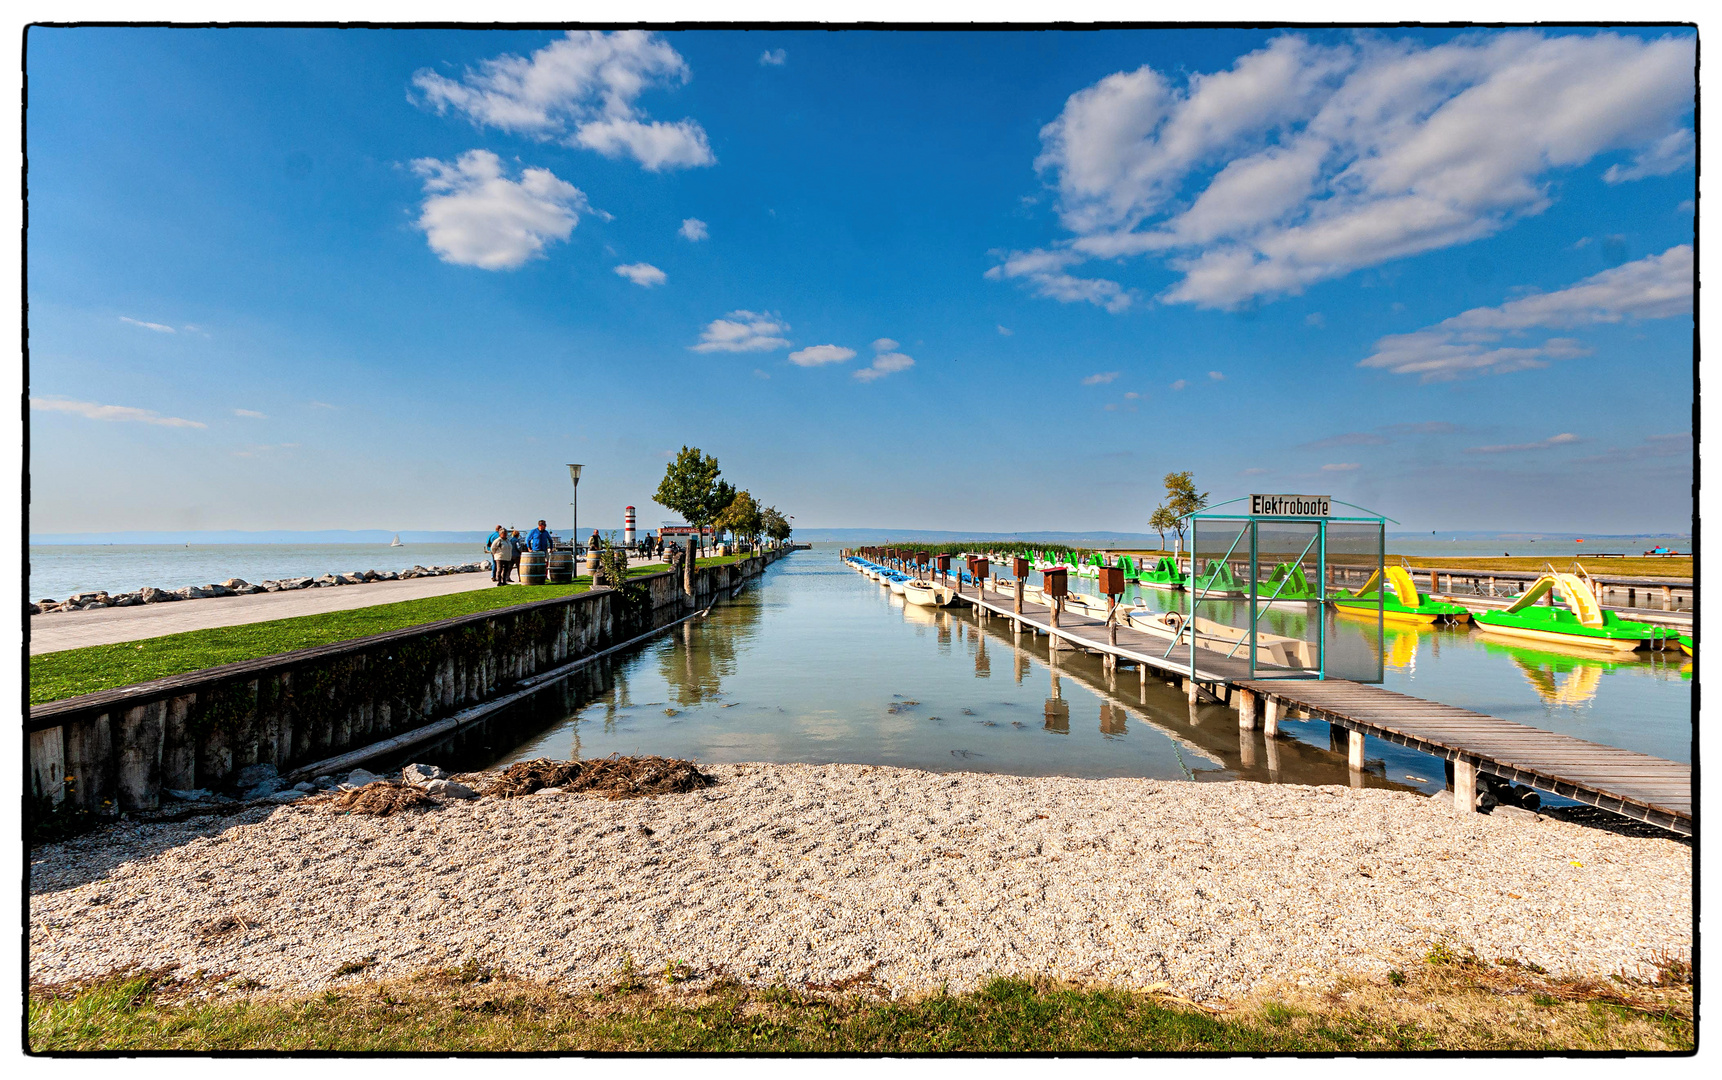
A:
(628, 526)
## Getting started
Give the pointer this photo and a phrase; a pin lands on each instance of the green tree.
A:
(1163, 519)
(1182, 500)
(776, 525)
(742, 517)
(692, 489)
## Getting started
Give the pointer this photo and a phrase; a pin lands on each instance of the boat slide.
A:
(1402, 604)
(1582, 623)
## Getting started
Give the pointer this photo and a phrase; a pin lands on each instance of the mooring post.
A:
(1246, 710)
(1354, 751)
(1464, 785)
(1271, 723)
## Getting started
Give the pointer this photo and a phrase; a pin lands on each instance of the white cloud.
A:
(1180, 384)
(1045, 271)
(815, 355)
(324, 405)
(885, 364)
(1217, 376)
(1132, 396)
(157, 327)
(1252, 472)
(644, 274)
(1302, 163)
(773, 57)
(1562, 439)
(743, 331)
(1100, 378)
(581, 89)
(1340, 466)
(1674, 151)
(1006, 331)
(92, 411)
(475, 216)
(657, 145)
(1315, 319)
(693, 229)
(252, 413)
(884, 344)
(761, 373)
(1655, 287)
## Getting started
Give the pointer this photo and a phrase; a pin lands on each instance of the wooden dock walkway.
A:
(1631, 784)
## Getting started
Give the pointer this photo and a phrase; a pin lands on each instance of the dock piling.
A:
(1271, 722)
(1354, 752)
(1464, 785)
(1246, 710)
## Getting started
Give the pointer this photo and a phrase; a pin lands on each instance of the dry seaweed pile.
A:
(383, 798)
(614, 777)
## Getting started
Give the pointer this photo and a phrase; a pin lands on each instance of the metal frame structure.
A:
(1250, 525)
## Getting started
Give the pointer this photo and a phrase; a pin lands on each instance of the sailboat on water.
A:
(396, 542)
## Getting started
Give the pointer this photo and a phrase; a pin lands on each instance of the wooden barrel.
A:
(532, 567)
(560, 569)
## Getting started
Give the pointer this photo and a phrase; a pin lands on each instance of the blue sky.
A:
(394, 279)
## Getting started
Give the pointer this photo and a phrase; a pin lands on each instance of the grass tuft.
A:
(475, 1008)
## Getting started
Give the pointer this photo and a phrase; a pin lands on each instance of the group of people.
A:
(505, 546)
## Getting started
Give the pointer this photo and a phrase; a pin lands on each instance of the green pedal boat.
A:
(1401, 602)
(1582, 623)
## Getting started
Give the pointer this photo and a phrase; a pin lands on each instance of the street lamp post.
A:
(574, 475)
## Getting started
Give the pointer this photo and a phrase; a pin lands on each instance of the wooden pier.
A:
(1631, 784)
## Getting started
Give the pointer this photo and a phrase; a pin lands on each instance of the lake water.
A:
(57, 571)
(814, 663)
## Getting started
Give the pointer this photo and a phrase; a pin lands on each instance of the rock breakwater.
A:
(87, 601)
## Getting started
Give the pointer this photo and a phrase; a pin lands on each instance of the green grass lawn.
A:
(469, 1009)
(72, 672)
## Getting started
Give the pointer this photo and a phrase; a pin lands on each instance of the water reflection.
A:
(818, 664)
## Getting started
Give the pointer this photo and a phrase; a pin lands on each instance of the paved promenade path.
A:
(77, 629)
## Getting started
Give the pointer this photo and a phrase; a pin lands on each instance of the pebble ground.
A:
(860, 875)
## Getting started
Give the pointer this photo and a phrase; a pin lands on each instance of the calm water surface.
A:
(816, 664)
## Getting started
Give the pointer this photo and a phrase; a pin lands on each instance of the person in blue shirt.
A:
(538, 539)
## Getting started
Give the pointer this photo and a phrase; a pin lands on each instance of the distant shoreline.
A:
(1096, 539)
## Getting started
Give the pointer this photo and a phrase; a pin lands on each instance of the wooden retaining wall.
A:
(118, 749)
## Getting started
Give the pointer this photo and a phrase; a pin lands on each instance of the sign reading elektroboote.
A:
(1289, 505)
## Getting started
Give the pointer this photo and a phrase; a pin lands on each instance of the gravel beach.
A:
(820, 875)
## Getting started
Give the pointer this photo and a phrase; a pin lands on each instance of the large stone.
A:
(422, 774)
(304, 785)
(350, 579)
(236, 584)
(252, 775)
(324, 781)
(191, 592)
(361, 777)
(152, 595)
(326, 580)
(265, 789)
(448, 789)
(296, 583)
(217, 590)
(287, 796)
(194, 795)
(81, 597)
